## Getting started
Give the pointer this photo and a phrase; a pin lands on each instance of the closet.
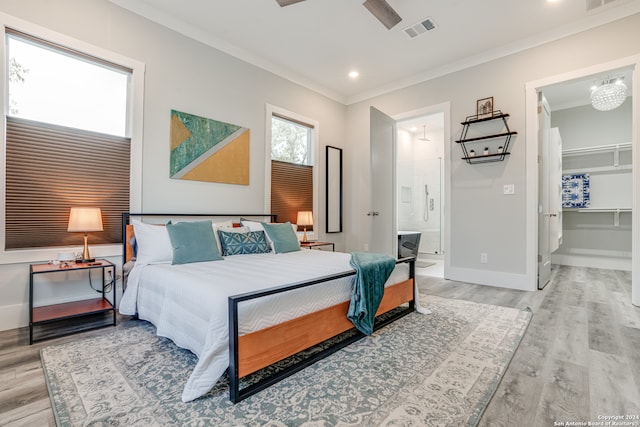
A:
(596, 168)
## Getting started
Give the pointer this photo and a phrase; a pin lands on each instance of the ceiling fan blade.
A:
(284, 3)
(383, 11)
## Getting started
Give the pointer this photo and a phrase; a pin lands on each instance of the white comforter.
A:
(189, 303)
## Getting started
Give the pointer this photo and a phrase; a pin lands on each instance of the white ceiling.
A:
(317, 42)
(577, 92)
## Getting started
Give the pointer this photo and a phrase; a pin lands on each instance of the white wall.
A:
(189, 76)
(584, 126)
(482, 218)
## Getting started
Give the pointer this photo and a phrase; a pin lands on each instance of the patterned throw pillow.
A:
(252, 242)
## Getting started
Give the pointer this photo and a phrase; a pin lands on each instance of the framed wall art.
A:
(484, 107)
(204, 149)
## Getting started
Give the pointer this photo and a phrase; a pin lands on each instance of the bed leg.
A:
(234, 380)
(412, 276)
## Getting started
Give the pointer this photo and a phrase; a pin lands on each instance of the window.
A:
(291, 141)
(291, 167)
(67, 142)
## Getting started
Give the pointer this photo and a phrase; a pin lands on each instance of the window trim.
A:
(272, 110)
(134, 126)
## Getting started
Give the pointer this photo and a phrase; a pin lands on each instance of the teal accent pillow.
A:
(193, 242)
(252, 242)
(282, 236)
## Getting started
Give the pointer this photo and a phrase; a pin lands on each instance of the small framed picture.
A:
(484, 107)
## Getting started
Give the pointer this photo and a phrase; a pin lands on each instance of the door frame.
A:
(531, 99)
(444, 108)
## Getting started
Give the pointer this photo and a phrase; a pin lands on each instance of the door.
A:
(382, 216)
(555, 189)
(544, 213)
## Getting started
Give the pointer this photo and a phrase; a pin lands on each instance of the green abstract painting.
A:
(208, 150)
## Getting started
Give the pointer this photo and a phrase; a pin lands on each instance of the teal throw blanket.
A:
(372, 271)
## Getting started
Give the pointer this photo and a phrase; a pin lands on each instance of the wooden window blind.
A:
(50, 169)
(291, 190)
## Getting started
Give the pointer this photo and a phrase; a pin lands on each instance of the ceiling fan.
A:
(379, 8)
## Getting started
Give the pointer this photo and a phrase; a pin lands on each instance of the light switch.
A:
(509, 189)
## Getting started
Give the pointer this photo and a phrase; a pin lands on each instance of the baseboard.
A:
(14, 316)
(490, 278)
(602, 262)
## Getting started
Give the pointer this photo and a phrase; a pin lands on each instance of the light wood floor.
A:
(580, 358)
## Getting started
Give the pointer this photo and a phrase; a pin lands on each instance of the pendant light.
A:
(609, 95)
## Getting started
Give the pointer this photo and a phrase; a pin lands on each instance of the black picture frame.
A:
(484, 107)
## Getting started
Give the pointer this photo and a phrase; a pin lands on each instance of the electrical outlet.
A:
(483, 258)
(366, 247)
(509, 189)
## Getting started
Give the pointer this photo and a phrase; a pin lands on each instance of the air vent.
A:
(595, 4)
(419, 28)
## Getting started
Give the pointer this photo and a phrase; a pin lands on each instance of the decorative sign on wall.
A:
(208, 150)
(576, 192)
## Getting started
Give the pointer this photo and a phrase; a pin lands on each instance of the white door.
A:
(544, 193)
(384, 233)
(555, 189)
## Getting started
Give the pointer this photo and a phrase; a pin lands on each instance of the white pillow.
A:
(154, 244)
(224, 226)
(253, 225)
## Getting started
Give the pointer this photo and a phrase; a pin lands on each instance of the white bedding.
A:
(189, 303)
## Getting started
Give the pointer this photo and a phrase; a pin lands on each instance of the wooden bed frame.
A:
(257, 350)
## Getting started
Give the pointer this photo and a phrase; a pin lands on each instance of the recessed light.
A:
(353, 74)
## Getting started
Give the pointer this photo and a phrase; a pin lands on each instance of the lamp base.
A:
(86, 261)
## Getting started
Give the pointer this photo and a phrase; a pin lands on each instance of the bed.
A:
(247, 312)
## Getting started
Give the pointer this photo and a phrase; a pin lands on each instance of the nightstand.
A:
(311, 245)
(54, 312)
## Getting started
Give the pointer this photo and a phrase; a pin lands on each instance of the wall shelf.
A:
(485, 158)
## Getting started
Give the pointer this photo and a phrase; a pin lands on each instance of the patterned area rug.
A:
(422, 370)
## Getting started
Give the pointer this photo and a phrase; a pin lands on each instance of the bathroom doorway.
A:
(420, 187)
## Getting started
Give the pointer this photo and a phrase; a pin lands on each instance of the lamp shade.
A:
(85, 219)
(305, 218)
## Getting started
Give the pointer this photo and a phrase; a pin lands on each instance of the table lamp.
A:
(84, 220)
(305, 218)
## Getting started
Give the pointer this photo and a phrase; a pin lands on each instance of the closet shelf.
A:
(597, 149)
(597, 210)
(615, 211)
(599, 169)
(615, 165)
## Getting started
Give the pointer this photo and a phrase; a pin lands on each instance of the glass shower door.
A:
(430, 223)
